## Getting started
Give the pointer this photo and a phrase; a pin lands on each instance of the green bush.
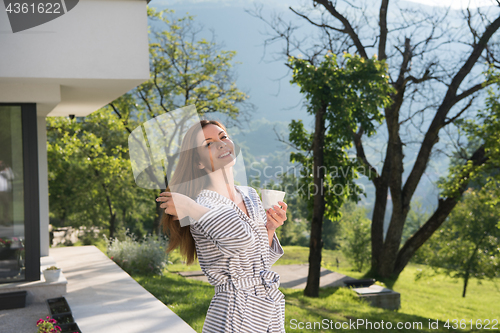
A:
(146, 256)
(355, 235)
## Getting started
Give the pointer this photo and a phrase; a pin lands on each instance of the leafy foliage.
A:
(467, 246)
(90, 179)
(143, 257)
(483, 131)
(355, 235)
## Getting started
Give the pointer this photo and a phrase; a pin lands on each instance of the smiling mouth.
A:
(226, 154)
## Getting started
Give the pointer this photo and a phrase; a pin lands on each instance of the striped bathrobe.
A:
(234, 253)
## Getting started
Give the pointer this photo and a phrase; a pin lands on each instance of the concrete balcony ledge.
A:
(39, 291)
(104, 298)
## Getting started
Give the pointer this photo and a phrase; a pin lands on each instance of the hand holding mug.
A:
(276, 216)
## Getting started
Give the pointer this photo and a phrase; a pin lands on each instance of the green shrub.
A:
(146, 256)
(355, 236)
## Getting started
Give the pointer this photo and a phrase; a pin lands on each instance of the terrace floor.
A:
(102, 297)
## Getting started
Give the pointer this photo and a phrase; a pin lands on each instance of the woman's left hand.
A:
(276, 216)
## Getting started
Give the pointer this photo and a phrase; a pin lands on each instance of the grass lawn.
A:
(429, 298)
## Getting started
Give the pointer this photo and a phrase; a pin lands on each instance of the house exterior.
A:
(69, 66)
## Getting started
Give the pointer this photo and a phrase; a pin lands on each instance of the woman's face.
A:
(215, 149)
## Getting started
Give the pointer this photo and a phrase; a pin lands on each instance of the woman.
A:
(231, 234)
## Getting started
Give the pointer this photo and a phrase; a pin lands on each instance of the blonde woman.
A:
(230, 233)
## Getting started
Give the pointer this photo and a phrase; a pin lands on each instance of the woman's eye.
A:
(208, 144)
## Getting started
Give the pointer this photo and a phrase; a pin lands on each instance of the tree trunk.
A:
(470, 264)
(156, 222)
(112, 214)
(112, 226)
(316, 242)
(466, 279)
(378, 217)
(63, 218)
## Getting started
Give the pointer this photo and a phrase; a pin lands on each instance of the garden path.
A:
(292, 276)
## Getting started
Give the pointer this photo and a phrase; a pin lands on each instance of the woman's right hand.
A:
(175, 204)
(180, 206)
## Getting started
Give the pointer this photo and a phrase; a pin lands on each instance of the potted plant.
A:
(52, 274)
(6, 252)
(5, 242)
(47, 326)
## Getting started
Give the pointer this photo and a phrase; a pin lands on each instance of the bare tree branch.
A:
(360, 151)
(383, 30)
(449, 101)
(459, 113)
(355, 38)
(436, 220)
(317, 24)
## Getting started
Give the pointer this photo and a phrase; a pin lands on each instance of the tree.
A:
(185, 69)
(470, 235)
(467, 244)
(90, 179)
(355, 235)
(340, 98)
(434, 58)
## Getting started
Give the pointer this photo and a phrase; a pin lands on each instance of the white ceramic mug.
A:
(271, 197)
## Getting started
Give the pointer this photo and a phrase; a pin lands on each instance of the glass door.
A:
(16, 229)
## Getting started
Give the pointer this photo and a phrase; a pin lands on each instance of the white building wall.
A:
(92, 54)
(74, 64)
(43, 186)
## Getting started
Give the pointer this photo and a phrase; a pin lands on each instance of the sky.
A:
(456, 4)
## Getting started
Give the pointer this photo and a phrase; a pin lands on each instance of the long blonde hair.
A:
(184, 182)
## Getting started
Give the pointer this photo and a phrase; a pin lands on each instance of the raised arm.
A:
(220, 224)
